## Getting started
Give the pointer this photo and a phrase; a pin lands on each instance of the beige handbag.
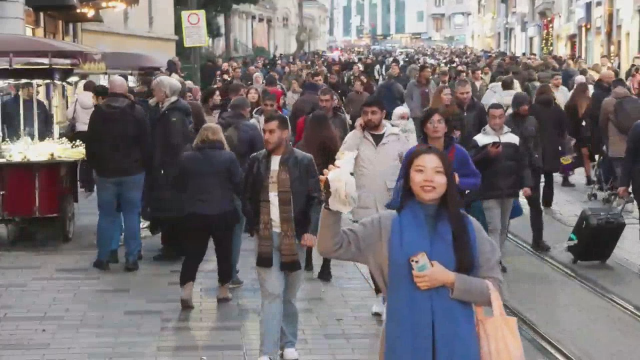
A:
(498, 335)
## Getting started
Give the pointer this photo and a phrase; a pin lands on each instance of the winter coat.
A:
(552, 122)
(376, 168)
(353, 104)
(579, 127)
(413, 97)
(208, 178)
(340, 122)
(527, 129)
(292, 97)
(303, 106)
(562, 96)
(601, 91)
(305, 190)
(11, 119)
(478, 91)
(80, 111)
(504, 175)
(243, 137)
(170, 135)
(407, 129)
(118, 142)
(615, 140)
(475, 119)
(568, 75)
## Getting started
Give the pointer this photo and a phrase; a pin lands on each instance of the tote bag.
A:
(498, 335)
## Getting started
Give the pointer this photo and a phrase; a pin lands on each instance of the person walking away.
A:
(323, 143)
(401, 119)
(524, 124)
(244, 140)
(601, 90)
(327, 102)
(118, 149)
(578, 111)
(464, 258)
(208, 178)
(282, 199)
(78, 115)
(501, 158)
(560, 92)
(473, 118)
(170, 136)
(418, 94)
(391, 93)
(355, 99)
(381, 148)
(619, 112)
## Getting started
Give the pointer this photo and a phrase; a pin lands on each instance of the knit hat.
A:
(519, 100)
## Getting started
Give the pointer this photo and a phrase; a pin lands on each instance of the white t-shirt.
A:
(273, 193)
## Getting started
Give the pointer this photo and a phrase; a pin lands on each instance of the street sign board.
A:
(194, 28)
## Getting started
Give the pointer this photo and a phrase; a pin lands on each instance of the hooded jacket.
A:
(304, 104)
(615, 140)
(527, 129)
(552, 124)
(243, 137)
(118, 138)
(80, 111)
(413, 97)
(504, 175)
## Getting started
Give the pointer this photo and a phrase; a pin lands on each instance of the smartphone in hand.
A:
(420, 262)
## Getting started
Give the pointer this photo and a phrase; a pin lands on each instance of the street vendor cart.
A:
(38, 177)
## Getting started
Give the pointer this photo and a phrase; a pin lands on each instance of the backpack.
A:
(626, 112)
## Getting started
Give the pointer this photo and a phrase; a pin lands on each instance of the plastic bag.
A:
(344, 195)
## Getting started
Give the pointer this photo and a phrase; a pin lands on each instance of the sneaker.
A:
(223, 296)
(131, 266)
(290, 354)
(144, 224)
(590, 181)
(378, 307)
(113, 257)
(186, 298)
(101, 265)
(236, 283)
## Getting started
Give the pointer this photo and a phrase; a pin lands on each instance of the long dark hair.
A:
(580, 98)
(320, 139)
(449, 203)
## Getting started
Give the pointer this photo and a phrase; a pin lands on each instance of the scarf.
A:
(426, 324)
(289, 258)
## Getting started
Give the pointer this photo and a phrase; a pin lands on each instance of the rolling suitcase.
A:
(596, 234)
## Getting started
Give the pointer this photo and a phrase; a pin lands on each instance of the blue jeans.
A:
(237, 239)
(279, 316)
(128, 191)
(115, 243)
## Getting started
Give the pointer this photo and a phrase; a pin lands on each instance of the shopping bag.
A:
(516, 210)
(498, 335)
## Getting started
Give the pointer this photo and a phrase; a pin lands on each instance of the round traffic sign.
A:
(193, 19)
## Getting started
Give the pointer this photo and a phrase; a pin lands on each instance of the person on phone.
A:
(429, 312)
(502, 159)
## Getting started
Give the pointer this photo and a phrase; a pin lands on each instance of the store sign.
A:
(533, 31)
(194, 28)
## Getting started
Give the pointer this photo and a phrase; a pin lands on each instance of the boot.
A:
(186, 299)
(540, 246)
(590, 181)
(567, 183)
(224, 296)
(325, 271)
(308, 261)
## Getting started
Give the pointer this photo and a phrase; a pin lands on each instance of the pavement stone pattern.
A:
(53, 305)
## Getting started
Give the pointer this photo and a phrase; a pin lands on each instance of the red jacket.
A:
(300, 129)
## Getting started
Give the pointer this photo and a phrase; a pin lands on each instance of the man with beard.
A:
(381, 148)
(282, 200)
(337, 87)
(327, 101)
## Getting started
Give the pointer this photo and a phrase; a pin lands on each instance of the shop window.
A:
(439, 3)
(285, 22)
(437, 24)
(458, 21)
(420, 16)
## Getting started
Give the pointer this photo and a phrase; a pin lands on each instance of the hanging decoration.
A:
(547, 36)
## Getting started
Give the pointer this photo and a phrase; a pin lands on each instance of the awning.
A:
(76, 17)
(52, 5)
(20, 50)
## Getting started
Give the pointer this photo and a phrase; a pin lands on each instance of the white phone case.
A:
(420, 262)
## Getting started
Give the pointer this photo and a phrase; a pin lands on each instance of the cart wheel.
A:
(67, 218)
(574, 261)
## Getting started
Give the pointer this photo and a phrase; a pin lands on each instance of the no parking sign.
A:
(194, 28)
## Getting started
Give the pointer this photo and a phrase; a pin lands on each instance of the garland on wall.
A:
(547, 36)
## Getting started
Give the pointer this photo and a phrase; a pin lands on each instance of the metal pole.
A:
(195, 51)
(21, 99)
(35, 111)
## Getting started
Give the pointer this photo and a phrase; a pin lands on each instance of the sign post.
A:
(194, 35)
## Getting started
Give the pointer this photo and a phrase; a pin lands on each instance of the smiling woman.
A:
(438, 303)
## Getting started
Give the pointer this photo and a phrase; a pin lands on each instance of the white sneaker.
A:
(264, 357)
(378, 307)
(290, 354)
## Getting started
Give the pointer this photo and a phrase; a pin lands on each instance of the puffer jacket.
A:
(80, 111)
(504, 175)
(376, 168)
(615, 140)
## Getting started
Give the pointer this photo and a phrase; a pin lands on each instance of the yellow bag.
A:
(498, 335)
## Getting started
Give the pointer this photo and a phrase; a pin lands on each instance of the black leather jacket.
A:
(305, 188)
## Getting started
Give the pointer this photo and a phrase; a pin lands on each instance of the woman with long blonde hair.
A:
(209, 176)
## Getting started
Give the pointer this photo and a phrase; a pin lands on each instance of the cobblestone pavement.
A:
(53, 305)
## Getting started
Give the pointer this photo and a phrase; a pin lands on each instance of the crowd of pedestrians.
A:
(447, 139)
